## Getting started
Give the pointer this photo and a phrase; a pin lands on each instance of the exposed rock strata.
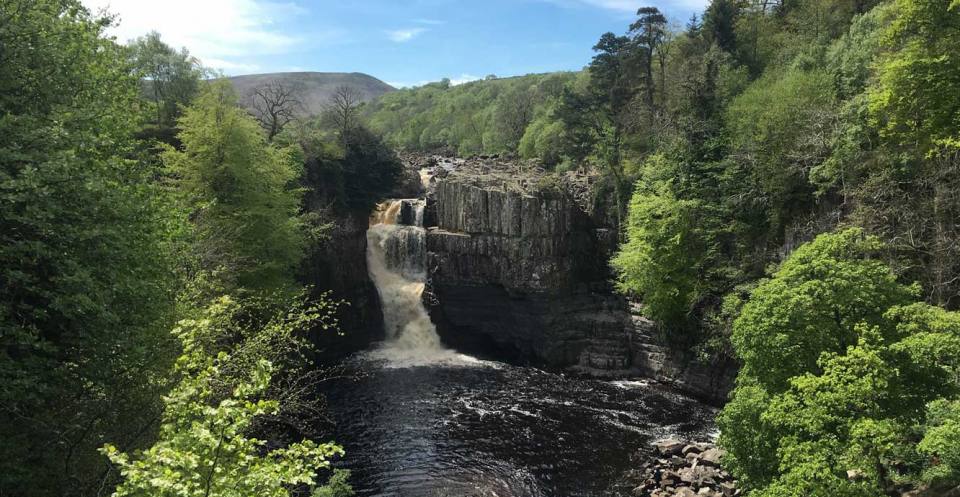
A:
(339, 265)
(518, 265)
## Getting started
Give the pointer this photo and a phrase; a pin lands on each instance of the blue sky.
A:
(401, 42)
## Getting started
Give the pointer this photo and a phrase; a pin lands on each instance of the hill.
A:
(315, 88)
(489, 116)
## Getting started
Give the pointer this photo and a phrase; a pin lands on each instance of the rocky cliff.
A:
(338, 265)
(518, 268)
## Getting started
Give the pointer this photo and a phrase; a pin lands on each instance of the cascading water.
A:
(396, 260)
(420, 420)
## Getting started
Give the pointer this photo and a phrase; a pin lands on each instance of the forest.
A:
(154, 332)
(785, 176)
(730, 144)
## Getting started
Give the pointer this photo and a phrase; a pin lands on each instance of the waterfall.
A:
(396, 260)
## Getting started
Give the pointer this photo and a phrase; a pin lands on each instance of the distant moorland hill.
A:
(314, 88)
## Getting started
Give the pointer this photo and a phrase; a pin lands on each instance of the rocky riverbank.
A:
(682, 469)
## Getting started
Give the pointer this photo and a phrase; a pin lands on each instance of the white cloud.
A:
(404, 84)
(221, 33)
(464, 78)
(229, 66)
(402, 35)
(431, 22)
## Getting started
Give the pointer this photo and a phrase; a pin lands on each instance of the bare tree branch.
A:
(343, 109)
(274, 105)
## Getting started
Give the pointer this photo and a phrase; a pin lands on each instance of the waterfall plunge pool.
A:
(419, 420)
(466, 427)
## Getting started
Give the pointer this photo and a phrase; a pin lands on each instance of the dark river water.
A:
(457, 426)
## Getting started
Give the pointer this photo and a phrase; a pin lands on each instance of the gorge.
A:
(516, 270)
(325, 284)
(544, 407)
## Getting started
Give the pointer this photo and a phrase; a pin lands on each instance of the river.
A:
(417, 419)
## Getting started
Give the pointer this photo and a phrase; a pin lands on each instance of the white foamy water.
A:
(396, 261)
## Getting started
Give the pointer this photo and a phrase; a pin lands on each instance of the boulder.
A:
(698, 475)
(685, 492)
(669, 447)
(691, 449)
(711, 457)
(728, 489)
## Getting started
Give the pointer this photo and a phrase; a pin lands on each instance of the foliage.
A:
(661, 258)
(171, 78)
(776, 128)
(829, 390)
(489, 116)
(369, 169)
(940, 440)
(86, 277)
(204, 447)
(812, 304)
(915, 102)
(542, 139)
(348, 174)
(337, 486)
(241, 193)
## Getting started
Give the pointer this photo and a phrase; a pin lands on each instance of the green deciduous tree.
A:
(812, 304)
(662, 256)
(240, 192)
(205, 447)
(915, 102)
(830, 396)
(86, 275)
(171, 79)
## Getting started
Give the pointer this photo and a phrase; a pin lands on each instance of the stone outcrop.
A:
(517, 266)
(339, 265)
(708, 380)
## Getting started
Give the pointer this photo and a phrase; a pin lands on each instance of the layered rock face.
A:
(711, 381)
(522, 269)
(518, 269)
(339, 265)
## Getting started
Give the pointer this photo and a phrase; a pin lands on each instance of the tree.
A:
(719, 22)
(240, 192)
(830, 285)
(205, 447)
(780, 129)
(86, 272)
(661, 258)
(648, 33)
(172, 78)
(839, 367)
(343, 110)
(543, 139)
(940, 440)
(915, 101)
(514, 111)
(594, 118)
(274, 105)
